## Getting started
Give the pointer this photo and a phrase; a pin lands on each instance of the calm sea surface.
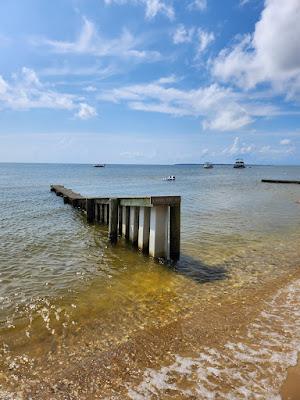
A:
(62, 285)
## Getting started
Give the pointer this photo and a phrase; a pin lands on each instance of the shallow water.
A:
(63, 286)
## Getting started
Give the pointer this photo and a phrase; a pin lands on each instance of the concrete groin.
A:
(151, 224)
(280, 181)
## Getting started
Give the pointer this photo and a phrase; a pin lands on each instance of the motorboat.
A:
(239, 164)
(99, 165)
(169, 178)
(208, 165)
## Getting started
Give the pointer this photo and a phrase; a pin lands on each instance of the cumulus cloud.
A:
(220, 108)
(152, 7)
(25, 91)
(90, 42)
(270, 54)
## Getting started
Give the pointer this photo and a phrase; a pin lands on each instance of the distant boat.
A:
(99, 165)
(208, 165)
(169, 178)
(239, 164)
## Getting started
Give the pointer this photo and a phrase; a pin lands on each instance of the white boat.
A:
(169, 178)
(239, 164)
(208, 165)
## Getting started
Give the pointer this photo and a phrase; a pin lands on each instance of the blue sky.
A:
(150, 81)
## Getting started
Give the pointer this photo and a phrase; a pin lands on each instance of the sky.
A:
(150, 81)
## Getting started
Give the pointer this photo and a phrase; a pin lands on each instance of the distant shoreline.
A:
(141, 165)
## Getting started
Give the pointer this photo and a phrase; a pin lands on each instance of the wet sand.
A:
(291, 387)
(85, 371)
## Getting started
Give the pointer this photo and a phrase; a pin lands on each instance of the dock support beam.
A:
(113, 220)
(125, 222)
(120, 219)
(175, 232)
(134, 224)
(90, 210)
(158, 239)
(144, 228)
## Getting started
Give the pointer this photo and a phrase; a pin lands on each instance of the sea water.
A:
(62, 286)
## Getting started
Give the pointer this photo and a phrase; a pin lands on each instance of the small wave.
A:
(254, 367)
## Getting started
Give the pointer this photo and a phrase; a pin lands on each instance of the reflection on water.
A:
(62, 287)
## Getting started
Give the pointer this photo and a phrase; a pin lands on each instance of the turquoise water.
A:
(58, 273)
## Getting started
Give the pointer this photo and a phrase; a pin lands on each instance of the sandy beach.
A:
(291, 388)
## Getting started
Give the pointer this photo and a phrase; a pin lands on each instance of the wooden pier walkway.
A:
(280, 181)
(151, 224)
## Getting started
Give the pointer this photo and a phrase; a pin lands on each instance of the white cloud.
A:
(153, 7)
(90, 89)
(73, 70)
(85, 111)
(237, 148)
(198, 5)
(285, 142)
(272, 151)
(199, 36)
(220, 108)
(90, 42)
(25, 92)
(228, 120)
(183, 35)
(271, 54)
(205, 39)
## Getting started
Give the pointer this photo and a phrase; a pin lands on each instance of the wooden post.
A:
(144, 228)
(175, 232)
(158, 239)
(90, 210)
(134, 224)
(113, 220)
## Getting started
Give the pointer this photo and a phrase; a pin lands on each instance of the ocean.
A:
(80, 319)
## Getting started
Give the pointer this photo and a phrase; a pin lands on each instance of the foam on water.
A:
(254, 367)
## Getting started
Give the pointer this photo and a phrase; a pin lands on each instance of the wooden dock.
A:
(280, 181)
(151, 224)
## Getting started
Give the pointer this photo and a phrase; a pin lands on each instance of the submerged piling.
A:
(151, 224)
